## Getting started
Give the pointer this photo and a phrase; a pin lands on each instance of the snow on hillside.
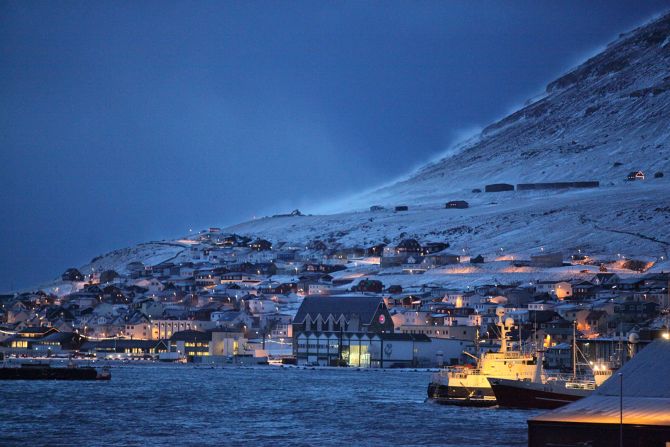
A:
(150, 253)
(605, 118)
(601, 120)
(624, 219)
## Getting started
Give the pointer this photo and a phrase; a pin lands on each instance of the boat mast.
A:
(500, 311)
(574, 349)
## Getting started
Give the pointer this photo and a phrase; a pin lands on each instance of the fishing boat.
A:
(469, 386)
(44, 371)
(546, 391)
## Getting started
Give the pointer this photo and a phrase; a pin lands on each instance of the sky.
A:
(123, 122)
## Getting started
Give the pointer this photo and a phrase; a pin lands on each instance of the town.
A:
(229, 299)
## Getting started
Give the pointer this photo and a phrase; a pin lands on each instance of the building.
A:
(332, 329)
(120, 348)
(498, 187)
(546, 260)
(461, 204)
(632, 408)
(635, 175)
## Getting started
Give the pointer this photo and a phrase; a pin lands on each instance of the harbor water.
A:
(184, 405)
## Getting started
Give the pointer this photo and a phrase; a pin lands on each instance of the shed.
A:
(457, 204)
(499, 187)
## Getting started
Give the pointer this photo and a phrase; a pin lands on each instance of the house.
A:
(635, 175)
(231, 319)
(72, 274)
(457, 204)
(605, 279)
(479, 259)
(433, 247)
(375, 208)
(441, 258)
(595, 322)
(375, 250)
(408, 246)
(583, 290)
(559, 289)
(260, 245)
(401, 208)
(369, 285)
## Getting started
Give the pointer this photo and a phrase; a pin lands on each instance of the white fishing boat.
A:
(465, 385)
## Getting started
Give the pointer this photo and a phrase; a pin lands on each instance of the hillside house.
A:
(459, 204)
(407, 247)
(635, 175)
(260, 245)
(433, 247)
(441, 258)
(72, 274)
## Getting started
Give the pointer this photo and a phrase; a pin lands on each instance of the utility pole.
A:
(620, 409)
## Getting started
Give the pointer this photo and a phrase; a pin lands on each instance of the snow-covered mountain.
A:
(608, 116)
(598, 122)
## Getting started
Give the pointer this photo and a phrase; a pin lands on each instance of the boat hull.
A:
(519, 394)
(461, 396)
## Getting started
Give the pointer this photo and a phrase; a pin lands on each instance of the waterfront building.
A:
(330, 329)
(631, 408)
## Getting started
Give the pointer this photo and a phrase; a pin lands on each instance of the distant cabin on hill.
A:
(72, 274)
(635, 175)
(401, 208)
(499, 187)
(457, 204)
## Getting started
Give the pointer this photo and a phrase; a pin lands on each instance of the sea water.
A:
(185, 405)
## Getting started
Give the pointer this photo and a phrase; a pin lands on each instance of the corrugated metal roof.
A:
(363, 306)
(646, 393)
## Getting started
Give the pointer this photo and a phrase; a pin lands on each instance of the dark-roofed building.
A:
(644, 408)
(72, 274)
(117, 347)
(457, 204)
(191, 343)
(324, 326)
(408, 246)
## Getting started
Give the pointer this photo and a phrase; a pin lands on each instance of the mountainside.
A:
(614, 108)
(600, 121)
(605, 118)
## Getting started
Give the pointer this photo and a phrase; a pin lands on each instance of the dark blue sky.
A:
(122, 122)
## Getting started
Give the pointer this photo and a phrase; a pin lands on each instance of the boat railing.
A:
(580, 385)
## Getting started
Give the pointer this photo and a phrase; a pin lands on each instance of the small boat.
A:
(44, 371)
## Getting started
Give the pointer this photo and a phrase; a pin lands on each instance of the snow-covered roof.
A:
(646, 393)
